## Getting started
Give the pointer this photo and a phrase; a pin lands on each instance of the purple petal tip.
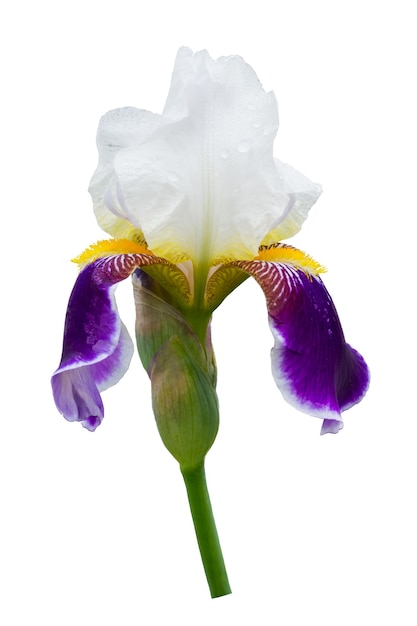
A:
(331, 426)
(92, 422)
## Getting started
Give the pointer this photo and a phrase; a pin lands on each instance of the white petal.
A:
(206, 184)
(303, 193)
(200, 181)
(118, 129)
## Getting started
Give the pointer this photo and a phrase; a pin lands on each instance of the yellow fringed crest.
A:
(280, 253)
(109, 247)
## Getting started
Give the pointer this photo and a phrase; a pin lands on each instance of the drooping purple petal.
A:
(313, 366)
(97, 348)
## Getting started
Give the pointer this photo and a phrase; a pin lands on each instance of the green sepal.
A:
(184, 403)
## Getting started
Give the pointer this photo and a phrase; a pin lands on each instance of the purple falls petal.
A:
(313, 366)
(97, 348)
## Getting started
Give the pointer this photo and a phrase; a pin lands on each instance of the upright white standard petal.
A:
(303, 193)
(200, 181)
(118, 129)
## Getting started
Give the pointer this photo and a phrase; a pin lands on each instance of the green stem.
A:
(205, 528)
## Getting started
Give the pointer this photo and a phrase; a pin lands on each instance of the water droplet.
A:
(329, 330)
(243, 146)
(225, 154)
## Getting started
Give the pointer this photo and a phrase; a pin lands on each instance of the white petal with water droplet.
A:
(199, 181)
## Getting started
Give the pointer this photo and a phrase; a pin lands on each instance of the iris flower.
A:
(196, 203)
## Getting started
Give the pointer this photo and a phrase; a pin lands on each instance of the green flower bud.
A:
(157, 320)
(184, 403)
(182, 372)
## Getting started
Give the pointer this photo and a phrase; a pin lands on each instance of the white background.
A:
(95, 528)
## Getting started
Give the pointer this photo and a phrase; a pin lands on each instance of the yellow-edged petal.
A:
(109, 247)
(281, 253)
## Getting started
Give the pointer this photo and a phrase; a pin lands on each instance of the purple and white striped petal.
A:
(97, 348)
(313, 366)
